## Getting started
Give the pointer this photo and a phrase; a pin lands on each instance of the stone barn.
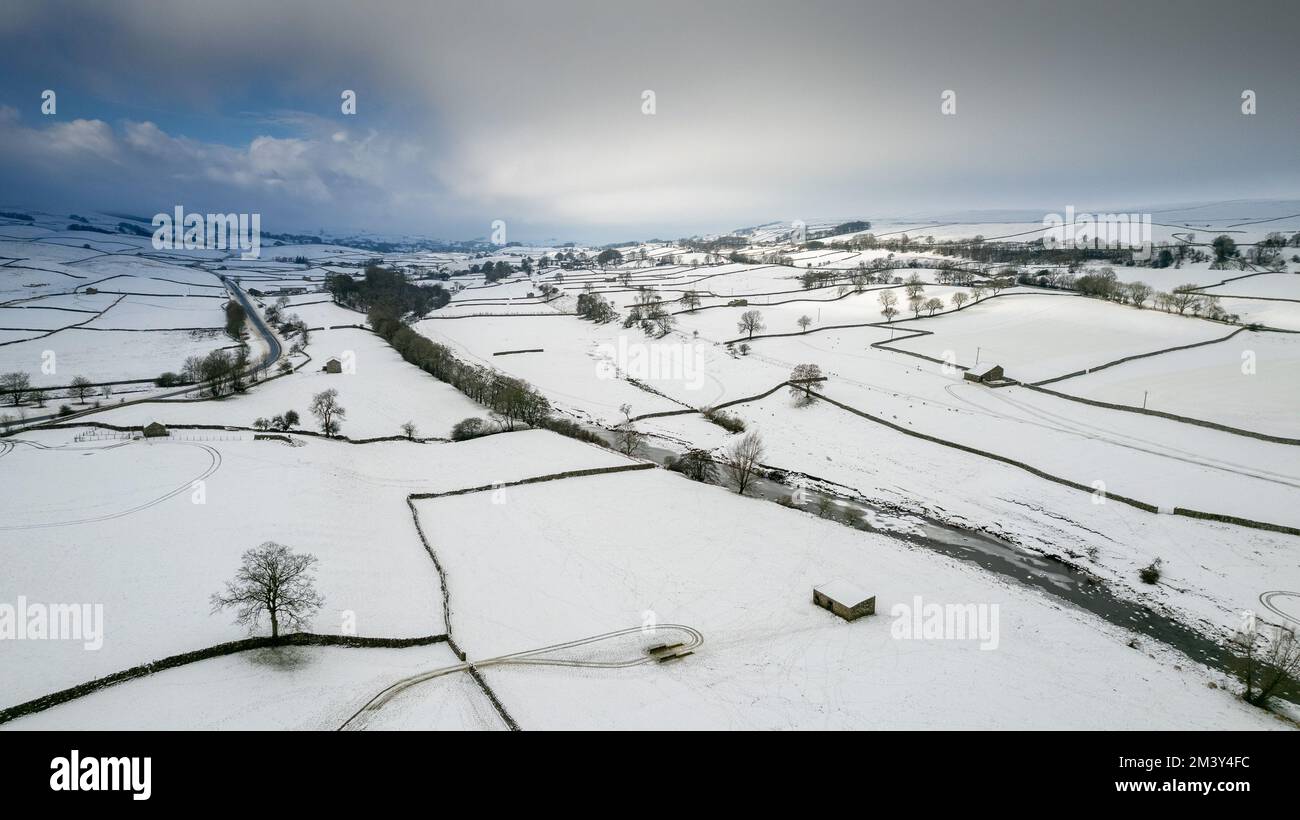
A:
(155, 429)
(333, 366)
(844, 599)
(985, 373)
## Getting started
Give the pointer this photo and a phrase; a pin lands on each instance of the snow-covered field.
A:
(124, 524)
(1261, 286)
(316, 310)
(105, 313)
(107, 355)
(164, 313)
(150, 529)
(1251, 382)
(1037, 336)
(567, 368)
(379, 391)
(313, 688)
(741, 571)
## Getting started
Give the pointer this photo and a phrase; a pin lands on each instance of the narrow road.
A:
(668, 641)
(272, 343)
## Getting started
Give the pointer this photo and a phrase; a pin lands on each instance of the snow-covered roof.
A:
(843, 592)
(981, 369)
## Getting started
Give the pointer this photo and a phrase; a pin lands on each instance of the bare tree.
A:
(696, 465)
(932, 304)
(409, 430)
(272, 580)
(1183, 297)
(916, 304)
(914, 286)
(741, 460)
(804, 323)
(888, 302)
(80, 386)
(959, 298)
(665, 322)
(751, 322)
(628, 440)
(325, 406)
(16, 385)
(802, 378)
(1138, 293)
(1267, 665)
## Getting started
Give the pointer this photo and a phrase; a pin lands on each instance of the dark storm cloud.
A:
(532, 112)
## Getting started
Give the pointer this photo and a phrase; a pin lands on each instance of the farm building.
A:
(155, 429)
(985, 373)
(333, 366)
(844, 599)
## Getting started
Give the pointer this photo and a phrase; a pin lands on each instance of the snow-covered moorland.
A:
(893, 471)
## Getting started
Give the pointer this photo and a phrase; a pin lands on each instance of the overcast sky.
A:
(532, 112)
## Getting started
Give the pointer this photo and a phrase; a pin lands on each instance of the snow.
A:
(295, 688)
(1037, 336)
(1249, 382)
(1261, 286)
(164, 313)
(843, 592)
(567, 370)
(108, 355)
(38, 318)
(1212, 571)
(739, 570)
(142, 529)
(381, 394)
(103, 519)
(316, 310)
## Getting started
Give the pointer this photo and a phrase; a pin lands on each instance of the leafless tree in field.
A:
(16, 384)
(915, 286)
(665, 323)
(325, 405)
(272, 580)
(741, 460)
(751, 322)
(81, 386)
(888, 301)
(1267, 664)
(802, 378)
(1139, 292)
(628, 440)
